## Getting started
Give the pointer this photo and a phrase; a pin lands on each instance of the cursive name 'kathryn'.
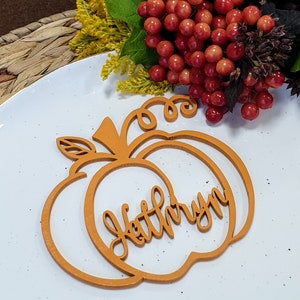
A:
(198, 213)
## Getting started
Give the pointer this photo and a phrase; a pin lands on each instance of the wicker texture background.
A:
(30, 52)
(18, 13)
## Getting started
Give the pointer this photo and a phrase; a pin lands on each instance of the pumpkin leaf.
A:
(74, 147)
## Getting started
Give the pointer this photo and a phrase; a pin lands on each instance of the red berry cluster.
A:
(255, 94)
(197, 45)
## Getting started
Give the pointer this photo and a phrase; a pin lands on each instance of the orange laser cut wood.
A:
(122, 154)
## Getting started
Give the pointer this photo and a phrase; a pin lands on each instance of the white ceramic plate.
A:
(73, 101)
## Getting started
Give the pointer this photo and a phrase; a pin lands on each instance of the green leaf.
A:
(125, 10)
(134, 47)
(137, 50)
(296, 65)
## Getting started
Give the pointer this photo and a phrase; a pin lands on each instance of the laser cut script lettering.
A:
(135, 232)
(157, 215)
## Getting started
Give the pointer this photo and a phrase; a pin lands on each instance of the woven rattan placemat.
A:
(31, 52)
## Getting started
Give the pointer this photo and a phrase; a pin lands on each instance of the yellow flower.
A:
(100, 33)
(140, 83)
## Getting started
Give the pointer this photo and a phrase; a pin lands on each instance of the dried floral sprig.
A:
(265, 53)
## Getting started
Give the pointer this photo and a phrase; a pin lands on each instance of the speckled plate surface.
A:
(73, 101)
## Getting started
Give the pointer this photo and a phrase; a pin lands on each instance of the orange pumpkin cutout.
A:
(122, 154)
